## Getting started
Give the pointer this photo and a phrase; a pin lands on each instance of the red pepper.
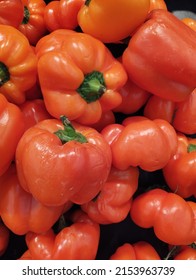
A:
(33, 24)
(78, 75)
(113, 203)
(11, 12)
(172, 218)
(62, 14)
(20, 212)
(140, 250)
(180, 170)
(139, 141)
(154, 59)
(11, 129)
(79, 241)
(67, 162)
(34, 111)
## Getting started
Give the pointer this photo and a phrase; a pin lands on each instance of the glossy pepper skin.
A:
(154, 60)
(64, 161)
(62, 14)
(33, 23)
(113, 203)
(12, 127)
(180, 171)
(182, 115)
(20, 212)
(140, 250)
(18, 72)
(111, 21)
(79, 241)
(78, 75)
(34, 111)
(11, 12)
(139, 141)
(172, 218)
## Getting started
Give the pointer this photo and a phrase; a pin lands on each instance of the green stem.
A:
(191, 148)
(69, 133)
(87, 2)
(26, 16)
(4, 74)
(92, 87)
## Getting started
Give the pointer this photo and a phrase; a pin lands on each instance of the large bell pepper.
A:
(113, 203)
(58, 162)
(111, 21)
(79, 241)
(154, 58)
(180, 171)
(78, 75)
(12, 127)
(142, 142)
(18, 64)
(20, 212)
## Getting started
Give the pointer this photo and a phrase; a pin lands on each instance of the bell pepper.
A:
(18, 64)
(33, 23)
(154, 59)
(172, 218)
(185, 252)
(4, 238)
(107, 117)
(34, 111)
(67, 162)
(113, 203)
(142, 142)
(20, 212)
(11, 12)
(62, 14)
(111, 21)
(140, 250)
(180, 170)
(79, 241)
(11, 129)
(78, 75)
(181, 115)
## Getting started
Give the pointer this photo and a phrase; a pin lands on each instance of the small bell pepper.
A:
(33, 23)
(12, 127)
(180, 170)
(4, 238)
(142, 142)
(62, 14)
(186, 252)
(11, 12)
(154, 59)
(172, 218)
(111, 21)
(182, 115)
(34, 111)
(59, 162)
(113, 203)
(191, 22)
(20, 212)
(140, 250)
(18, 64)
(79, 241)
(78, 75)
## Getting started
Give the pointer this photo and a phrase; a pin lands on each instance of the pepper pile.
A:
(96, 97)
